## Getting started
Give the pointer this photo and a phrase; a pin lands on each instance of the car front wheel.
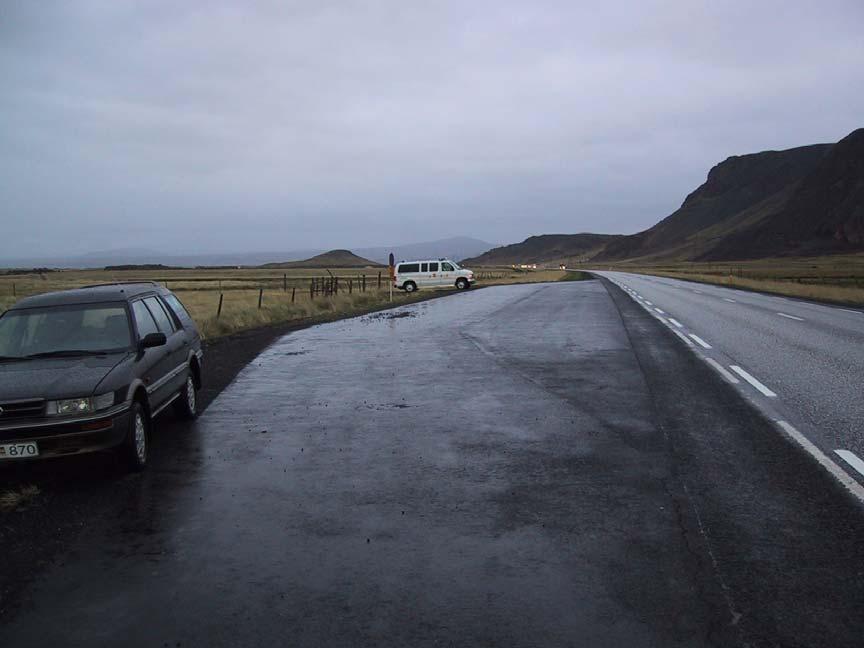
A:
(462, 284)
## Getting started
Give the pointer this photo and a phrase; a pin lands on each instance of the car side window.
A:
(446, 267)
(433, 267)
(424, 267)
(178, 308)
(164, 322)
(143, 319)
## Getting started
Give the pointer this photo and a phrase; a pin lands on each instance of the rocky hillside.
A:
(331, 259)
(548, 248)
(806, 200)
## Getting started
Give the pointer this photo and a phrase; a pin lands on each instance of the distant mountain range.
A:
(799, 202)
(455, 248)
(546, 248)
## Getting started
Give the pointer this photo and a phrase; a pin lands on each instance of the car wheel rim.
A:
(190, 394)
(140, 438)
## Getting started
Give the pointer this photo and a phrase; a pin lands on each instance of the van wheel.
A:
(136, 447)
(187, 405)
(462, 283)
(409, 286)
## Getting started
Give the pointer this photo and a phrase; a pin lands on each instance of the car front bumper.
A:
(70, 436)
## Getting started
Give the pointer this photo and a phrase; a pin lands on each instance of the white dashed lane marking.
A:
(676, 322)
(839, 474)
(659, 311)
(731, 301)
(701, 342)
(792, 317)
(852, 459)
(750, 379)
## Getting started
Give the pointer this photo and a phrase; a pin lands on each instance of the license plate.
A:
(19, 450)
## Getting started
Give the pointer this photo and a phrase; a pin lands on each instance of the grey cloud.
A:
(243, 125)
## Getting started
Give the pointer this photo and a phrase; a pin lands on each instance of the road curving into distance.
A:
(800, 362)
(533, 465)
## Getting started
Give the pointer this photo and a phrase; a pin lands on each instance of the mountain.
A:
(331, 259)
(801, 201)
(547, 248)
(457, 247)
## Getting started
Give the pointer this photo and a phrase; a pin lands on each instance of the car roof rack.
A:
(122, 283)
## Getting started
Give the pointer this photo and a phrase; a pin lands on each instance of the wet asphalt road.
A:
(536, 465)
(810, 355)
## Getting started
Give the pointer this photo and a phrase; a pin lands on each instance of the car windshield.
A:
(64, 330)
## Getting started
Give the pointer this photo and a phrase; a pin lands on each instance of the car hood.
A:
(53, 378)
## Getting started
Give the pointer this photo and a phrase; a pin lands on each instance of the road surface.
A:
(534, 465)
(806, 359)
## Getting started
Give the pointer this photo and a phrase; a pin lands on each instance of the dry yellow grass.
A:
(199, 290)
(837, 279)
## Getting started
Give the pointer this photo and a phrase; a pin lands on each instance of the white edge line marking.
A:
(839, 474)
(682, 336)
(722, 370)
(852, 459)
(731, 301)
(676, 322)
(750, 379)
(701, 342)
(649, 303)
(660, 311)
(792, 317)
(849, 310)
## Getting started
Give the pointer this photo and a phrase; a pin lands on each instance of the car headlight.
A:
(72, 406)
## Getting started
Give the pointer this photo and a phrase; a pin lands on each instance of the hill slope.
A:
(806, 200)
(548, 248)
(331, 259)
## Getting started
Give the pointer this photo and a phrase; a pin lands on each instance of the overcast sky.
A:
(232, 126)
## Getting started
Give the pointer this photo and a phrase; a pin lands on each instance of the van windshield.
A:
(80, 329)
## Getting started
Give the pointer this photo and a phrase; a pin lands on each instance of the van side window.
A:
(409, 267)
(433, 267)
(424, 267)
(446, 267)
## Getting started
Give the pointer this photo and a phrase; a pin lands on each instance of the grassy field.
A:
(836, 279)
(285, 297)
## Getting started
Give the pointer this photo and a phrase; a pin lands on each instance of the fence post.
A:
(379, 279)
(14, 292)
(293, 291)
(219, 308)
(350, 286)
(311, 289)
(260, 297)
(364, 283)
(285, 282)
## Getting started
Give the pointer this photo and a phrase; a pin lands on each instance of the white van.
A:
(411, 275)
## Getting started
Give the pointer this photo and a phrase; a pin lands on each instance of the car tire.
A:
(136, 446)
(462, 283)
(186, 406)
(409, 286)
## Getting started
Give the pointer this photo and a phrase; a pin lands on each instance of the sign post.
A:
(392, 271)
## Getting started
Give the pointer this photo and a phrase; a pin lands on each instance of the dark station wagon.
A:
(89, 369)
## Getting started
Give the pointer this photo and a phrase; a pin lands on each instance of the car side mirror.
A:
(152, 340)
